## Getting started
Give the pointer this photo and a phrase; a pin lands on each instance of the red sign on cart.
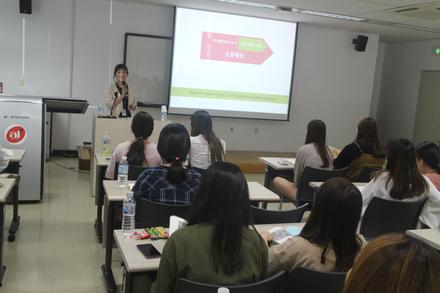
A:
(15, 134)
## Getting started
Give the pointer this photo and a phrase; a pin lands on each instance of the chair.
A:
(306, 193)
(304, 280)
(390, 216)
(269, 285)
(133, 171)
(150, 213)
(263, 216)
(366, 174)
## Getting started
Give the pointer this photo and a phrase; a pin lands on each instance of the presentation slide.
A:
(232, 66)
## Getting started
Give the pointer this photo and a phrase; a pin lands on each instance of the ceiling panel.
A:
(395, 3)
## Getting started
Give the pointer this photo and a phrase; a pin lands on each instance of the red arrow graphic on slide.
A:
(231, 48)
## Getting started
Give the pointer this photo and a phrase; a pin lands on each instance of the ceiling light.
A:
(332, 15)
(417, 28)
(250, 3)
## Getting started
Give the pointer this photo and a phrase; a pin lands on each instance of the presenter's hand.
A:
(132, 107)
(118, 100)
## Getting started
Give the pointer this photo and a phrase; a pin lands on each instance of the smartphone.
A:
(149, 251)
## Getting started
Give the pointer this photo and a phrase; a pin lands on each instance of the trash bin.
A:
(84, 157)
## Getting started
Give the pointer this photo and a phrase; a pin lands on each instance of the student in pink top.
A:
(428, 161)
(139, 152)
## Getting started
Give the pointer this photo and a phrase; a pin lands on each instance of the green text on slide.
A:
(228, 95)
(252, 44)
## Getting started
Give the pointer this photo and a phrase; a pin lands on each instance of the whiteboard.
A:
(148, 59)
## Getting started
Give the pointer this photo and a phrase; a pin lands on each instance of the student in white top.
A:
(206, 147)
(4, 159)
(401, 180)
(140, 152)
(315, 153)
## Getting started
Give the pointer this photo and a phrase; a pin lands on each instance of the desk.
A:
(359, 185)
(429, 236)
(14, 168)
(136, 263)
(115, 195)
(6, 186)
(100, 165)
(274, 168)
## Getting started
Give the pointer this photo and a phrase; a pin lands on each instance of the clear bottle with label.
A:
(163, 113)
(123, 172)
(106, 145)
(128, 215)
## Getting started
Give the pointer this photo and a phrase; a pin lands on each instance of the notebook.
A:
(280, 234)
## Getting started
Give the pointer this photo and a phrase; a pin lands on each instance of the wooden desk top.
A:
(101, 160)
(16, 154)
(429, 236)
(6, 185)
(257, 192)
(276, 162)
(359, 185)
(135, 261)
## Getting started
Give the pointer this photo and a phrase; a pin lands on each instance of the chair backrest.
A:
(133, 171)
(305, 192)
(304, 280)
(390, 216)
(263, 216)
(366, 174)
(152, 214)
(269, 285)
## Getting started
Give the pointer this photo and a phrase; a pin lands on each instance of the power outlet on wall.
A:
(1, 87)
(231, 129)
(256, 130)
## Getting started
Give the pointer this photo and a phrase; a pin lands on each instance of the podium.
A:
(22, 125)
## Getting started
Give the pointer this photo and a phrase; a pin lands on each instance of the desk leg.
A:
(2, 221)
(15, 218)
(128, 282)
(100, 194)
(107, 267)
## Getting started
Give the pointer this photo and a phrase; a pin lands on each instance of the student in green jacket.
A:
(218, 246)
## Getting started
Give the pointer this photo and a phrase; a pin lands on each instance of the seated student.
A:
(139, 152)
(206, 148)
(395, 263)
(428, 161)
(401, 180)
(171, 183)
(365, 151)
(4, 159)
(315, 153)
(218, 246)
(328, 242)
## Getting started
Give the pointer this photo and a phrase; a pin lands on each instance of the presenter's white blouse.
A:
(199, 155)
(378, 187)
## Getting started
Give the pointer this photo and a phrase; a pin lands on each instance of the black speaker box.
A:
(360, 43)
(26, 6)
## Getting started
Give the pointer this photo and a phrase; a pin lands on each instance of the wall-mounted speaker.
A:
(360, 43)
(26, 6)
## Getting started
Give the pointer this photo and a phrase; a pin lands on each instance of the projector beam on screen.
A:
(232, 66)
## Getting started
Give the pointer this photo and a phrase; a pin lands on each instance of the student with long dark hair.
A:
(217, 246)
(140, 151)
(171, 183)
(315, 153)
(428, 161)
(328, 241)
(395, 263)
(120, 101)
(401, 180)
(206, 147)
(365, 151)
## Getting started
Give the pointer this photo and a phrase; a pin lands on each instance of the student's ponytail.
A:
(173, 146)
(136, 154)
(142, 126)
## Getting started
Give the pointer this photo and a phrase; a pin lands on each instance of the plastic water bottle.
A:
(128, 213)
(106, 145)
(163, 113)
(123, 172)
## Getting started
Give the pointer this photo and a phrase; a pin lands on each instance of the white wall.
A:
(332, 81)
(403, 66)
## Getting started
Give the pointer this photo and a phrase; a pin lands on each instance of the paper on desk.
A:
(280, 235)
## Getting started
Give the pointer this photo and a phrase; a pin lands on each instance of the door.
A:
(427, 122)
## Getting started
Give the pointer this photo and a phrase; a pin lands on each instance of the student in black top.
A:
(366, 151)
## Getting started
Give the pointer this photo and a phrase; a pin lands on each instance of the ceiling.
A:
(381, 11)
